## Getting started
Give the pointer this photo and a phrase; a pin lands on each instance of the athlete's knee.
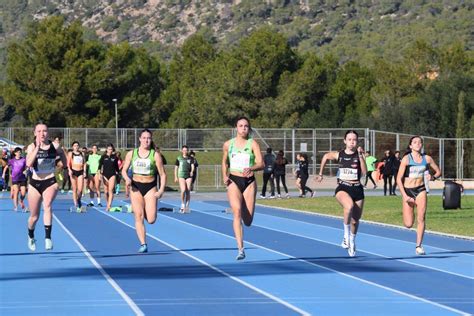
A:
(408, 223)
(151, 220)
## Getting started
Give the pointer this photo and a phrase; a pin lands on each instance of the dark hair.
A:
(75, 142)
(305, 156)
(17, 149)
(351, 131)
(269, 150)
(243, 118)
(368, 152)
(409, 143)
(192, 153)
(184, 146)
(152, 144)
(280, 157)
(110, 145)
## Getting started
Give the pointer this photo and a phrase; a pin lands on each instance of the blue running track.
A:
(294, 265)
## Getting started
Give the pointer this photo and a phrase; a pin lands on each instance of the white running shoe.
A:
(344, 243)
(241, 254)
(420, 251)
(48, 244)
(32, 243)
(352, 249)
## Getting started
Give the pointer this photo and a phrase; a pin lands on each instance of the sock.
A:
(347, 229)
(98, 200)
(47, 231)
(31, 233)
(92, 201)
(352, 238)
(79, 202)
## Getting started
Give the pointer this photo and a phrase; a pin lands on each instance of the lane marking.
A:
(248, 285)
(331, 270)
(109, 279)
(338, 245)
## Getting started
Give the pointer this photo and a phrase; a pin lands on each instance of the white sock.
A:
(98, 200)
(347, 229)
(92, 201)
(352, 238)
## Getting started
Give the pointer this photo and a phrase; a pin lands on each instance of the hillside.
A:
(346, 28)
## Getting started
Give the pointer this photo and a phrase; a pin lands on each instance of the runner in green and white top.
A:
(146, 165)
(94, 176)
(183, 174)
(241, 158)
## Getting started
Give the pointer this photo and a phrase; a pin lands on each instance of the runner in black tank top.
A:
(41, 156)
(349, 192)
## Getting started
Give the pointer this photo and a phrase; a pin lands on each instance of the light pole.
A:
(116, 124)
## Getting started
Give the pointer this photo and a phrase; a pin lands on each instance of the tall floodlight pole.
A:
(116, 124)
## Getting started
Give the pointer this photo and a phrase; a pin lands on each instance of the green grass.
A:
(388, 209)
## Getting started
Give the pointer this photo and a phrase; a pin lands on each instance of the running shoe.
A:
(25, 210)
(241, 254)
(48, 244)
(278, 196)
(99, 204)
(344, 243)
(143, 248)
(91, 204)
(352, 249)
(313, 194)
(287, 195)
(78, 210)
(262, 196)
(420, 251)
(32, 244)
(15, 209)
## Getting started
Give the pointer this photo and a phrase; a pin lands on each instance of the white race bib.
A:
(348, 174)
(239, 161)
(142, 166)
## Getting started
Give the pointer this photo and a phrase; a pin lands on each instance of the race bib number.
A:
(239, 161)
(45, 165)
(77, 160)
(142, 166)
(348, 174)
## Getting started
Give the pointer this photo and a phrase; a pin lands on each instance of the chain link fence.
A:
(454, 156)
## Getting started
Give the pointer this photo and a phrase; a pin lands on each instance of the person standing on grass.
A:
(370, 161)
(77, 173)
(183, 175)
(387, 172)
(17, 166)
(42, 188)
(349, 192)
(410, 179)
(145, 164)
(268, 176)
(304, 175)
(280, 173)
(241, 157)
(395, 167)
(297, 173)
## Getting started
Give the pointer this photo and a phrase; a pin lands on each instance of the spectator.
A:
(396, 165)
(192, 154)
(388, 172)
(370, 162)
(269, 161)
(280, 172)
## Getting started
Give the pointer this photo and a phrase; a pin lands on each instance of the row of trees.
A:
(56, 76)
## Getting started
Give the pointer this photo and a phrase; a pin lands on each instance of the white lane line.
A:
(114, 284)
(332, 270)
(454, 236)
(338, 245)
(248, 285)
